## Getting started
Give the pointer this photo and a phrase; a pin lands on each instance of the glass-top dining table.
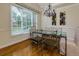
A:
(58, 34)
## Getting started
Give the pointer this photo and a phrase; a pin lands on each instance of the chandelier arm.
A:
(49, 12)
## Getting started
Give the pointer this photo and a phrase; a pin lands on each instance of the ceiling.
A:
(54, 5)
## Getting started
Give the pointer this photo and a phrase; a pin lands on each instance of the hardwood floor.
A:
(34, 51)
(31, 50)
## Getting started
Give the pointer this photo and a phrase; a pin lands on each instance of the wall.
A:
(5, 32)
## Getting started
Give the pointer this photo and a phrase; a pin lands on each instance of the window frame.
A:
(26, 32)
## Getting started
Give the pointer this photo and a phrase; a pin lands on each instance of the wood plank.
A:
(12, 48)
(26, 48)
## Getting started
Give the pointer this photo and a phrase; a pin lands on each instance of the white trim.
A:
(11, 42)
(27, 10)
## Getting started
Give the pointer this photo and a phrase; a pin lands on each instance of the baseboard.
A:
(14, 47)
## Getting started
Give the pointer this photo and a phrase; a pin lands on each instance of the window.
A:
(22, 19)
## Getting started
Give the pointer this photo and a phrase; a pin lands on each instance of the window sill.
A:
(20, 33)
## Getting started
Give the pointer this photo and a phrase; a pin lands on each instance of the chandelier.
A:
(49, 11)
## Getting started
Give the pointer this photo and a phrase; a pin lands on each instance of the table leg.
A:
(65, 46)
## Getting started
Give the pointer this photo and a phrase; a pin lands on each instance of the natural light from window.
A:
(22, 19)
